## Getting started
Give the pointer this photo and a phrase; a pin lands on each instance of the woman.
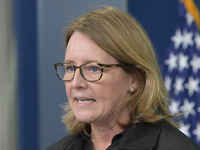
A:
(117, 98)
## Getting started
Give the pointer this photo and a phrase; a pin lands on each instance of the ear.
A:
(137, 77)
(134, 81)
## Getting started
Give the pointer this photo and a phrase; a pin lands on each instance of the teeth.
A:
(81, 101)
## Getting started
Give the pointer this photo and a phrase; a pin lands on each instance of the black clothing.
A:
(142, 136)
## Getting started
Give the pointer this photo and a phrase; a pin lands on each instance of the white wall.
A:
(8, 125)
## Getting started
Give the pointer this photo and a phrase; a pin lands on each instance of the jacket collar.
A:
(141, 136)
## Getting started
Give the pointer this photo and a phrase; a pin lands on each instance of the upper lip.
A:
(83, 98)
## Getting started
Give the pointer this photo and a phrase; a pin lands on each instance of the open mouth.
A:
(85, 101)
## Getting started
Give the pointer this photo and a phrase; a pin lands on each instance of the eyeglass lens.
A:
(90, 71)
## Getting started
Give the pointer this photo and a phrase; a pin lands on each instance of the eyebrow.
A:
(89, 61)
(69, 61)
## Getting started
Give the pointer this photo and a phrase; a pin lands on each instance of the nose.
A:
(78, 82)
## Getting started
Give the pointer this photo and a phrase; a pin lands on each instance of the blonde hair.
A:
(121, 36)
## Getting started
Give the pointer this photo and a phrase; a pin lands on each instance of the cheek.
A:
(112, 91)
(117, 83)
(68, 90)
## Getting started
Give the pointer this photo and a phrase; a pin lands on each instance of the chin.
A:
(83, 117)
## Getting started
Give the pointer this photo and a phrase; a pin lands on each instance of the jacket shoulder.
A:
(171, 137)
(63, 143)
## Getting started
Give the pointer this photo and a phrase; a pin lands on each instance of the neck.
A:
(101, 137)
(102, 133)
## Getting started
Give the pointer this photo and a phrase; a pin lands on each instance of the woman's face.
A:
(95, 102)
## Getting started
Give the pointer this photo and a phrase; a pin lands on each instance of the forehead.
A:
(81, 49)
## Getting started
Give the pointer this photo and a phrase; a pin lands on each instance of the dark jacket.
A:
(143, 136)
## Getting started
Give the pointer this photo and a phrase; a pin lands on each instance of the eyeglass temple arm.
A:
(110, 65)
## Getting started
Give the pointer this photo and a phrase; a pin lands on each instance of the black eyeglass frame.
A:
(102, 66)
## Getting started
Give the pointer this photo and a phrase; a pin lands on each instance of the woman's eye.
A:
(69, 68)
(95, 69)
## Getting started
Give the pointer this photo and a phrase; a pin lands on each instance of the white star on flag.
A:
(187, 39)
(171, 62)
(188, 108)
(185, 129)
(189, 19)
(178, 85)
(195, 63)
(174, 107)
(168, 82)
(197, 40)
(197, 132)
(192, 85)
(183, 62)
(177, 39)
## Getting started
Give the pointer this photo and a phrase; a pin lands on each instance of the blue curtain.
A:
(159, 18)
(26, 37)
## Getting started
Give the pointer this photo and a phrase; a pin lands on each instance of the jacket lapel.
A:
(142, 136)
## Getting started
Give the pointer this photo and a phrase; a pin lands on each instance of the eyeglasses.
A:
(89, 71)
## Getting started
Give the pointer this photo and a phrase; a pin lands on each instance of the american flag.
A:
(181, 72)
